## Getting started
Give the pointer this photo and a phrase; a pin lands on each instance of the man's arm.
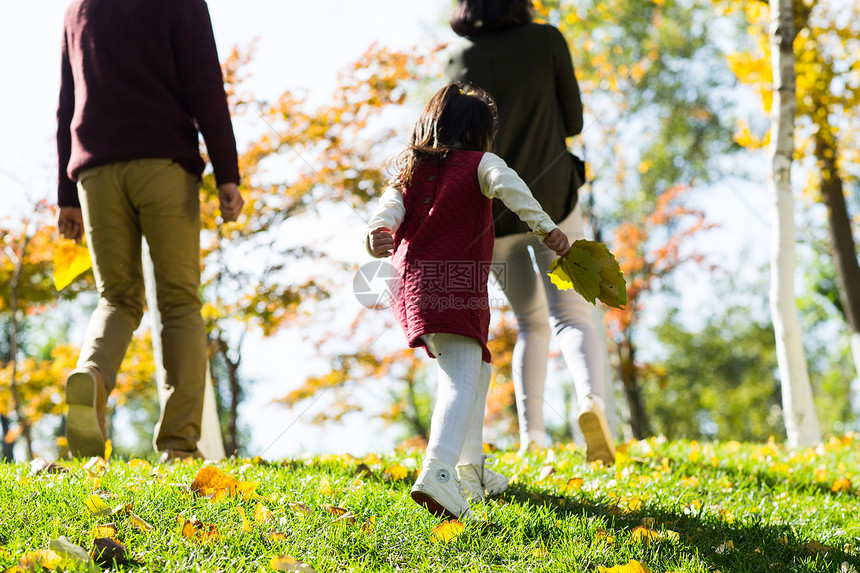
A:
(203, 83)
(67, 192)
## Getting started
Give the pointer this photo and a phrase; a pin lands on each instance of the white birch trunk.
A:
(801, 421)
(211, 443)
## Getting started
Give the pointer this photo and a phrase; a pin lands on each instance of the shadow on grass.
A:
(755, 546)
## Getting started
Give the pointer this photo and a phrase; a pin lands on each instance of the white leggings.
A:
(456, 429)
(542, 310)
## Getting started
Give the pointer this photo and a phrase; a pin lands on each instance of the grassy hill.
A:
(665, 506)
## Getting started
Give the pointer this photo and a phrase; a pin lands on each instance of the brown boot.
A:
(86, 397)
(595, 429)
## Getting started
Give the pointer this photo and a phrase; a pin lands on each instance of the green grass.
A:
(776, 507)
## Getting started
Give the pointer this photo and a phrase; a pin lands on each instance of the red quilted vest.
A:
(443, 250)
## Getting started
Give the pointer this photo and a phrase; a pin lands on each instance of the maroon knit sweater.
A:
(443, 250)
(139, 79)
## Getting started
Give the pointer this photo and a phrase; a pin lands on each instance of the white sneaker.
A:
(595, 429)
(439, 491)
(470, 476)
(481, 481)
(494, 482)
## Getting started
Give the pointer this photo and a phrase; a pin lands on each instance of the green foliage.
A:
(718, 382)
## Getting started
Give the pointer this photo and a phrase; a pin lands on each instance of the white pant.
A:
(542, 310)
(458, 416)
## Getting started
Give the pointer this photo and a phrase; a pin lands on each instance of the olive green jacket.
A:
(528, 70)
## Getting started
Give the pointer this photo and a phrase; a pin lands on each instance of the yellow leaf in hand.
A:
(70, 260)
(447, 531)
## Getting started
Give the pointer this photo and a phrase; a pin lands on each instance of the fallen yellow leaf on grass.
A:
(262, 514)
(447, 531)
(604, 536)
(97, 506)
(210, 482)
(325, 487)
(841, 484)
(632, 567)
(575, 484)
(397, 472)
(347, 517)
(70, 260)
(300, 507)
(245, 526)
(277, 536)
(106, 530)
(287, 563)
(643, 534)
(369, 524)
(95, 466)
(44, 558)
(137, 464)
(138, 522)
(726, 547)
(198, 531)
(335, 510)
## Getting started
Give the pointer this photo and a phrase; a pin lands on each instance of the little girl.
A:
(437, 219)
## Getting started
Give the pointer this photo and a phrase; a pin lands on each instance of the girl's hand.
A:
(557, 241)
(381, 242)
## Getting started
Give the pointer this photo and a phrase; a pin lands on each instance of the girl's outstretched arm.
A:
(501, 182)
(384, 223)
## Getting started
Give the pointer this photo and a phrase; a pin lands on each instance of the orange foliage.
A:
(645, 263)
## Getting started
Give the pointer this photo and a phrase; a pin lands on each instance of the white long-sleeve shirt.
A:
(497, 180)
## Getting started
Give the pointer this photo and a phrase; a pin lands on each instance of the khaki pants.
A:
(156, 199)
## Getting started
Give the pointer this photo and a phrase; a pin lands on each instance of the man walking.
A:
(140, 79)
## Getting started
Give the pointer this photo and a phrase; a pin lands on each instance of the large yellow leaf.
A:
(592, 271)
(70, 260)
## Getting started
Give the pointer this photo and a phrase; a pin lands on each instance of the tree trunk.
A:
(232, 438)
(8, 450)
(801, 420)
(841, 237)
(14, 283)
(211, 445)
(630, 382)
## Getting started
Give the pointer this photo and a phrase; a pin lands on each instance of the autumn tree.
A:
(304, 160)
(824, 57)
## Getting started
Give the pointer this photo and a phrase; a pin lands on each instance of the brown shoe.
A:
(598, 440)
(170, 455)
(86, 397)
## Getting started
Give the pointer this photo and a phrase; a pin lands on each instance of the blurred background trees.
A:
(677, 97)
